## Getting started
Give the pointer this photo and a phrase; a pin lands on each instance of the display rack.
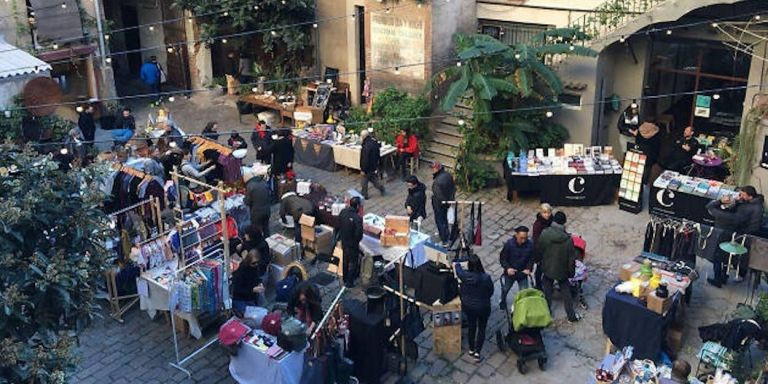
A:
(220, 191)
(119, 304)
(464, 245)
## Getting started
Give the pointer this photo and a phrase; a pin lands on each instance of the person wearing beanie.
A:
(514, 259)
(556, 256)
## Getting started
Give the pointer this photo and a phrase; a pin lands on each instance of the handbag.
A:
(293, 335)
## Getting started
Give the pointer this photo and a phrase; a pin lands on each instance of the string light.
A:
(274, 33)
(255, 7)
(622, 39)
(254, 89)
(314, 25)
(106, 37)
(571, 48)
(63, 151)
(225, 14)
(64, 5)
(458, 63)
(461, 122)
(715, 25)
(190, 19)
(170, 49)
(669, 31)
(172, 99)
(224, 41)
(151, 28)
(757, 17)
(387, 11)
(79, 109)
(549, 114)
(716, 96)
(7, 114)
(517, 56)
(108, 59)
(55, 46)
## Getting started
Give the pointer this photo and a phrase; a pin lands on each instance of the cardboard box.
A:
(322, 243)
(397, 240)
(337, 268)
(626, 271)
(307, 227)
(400, 224)
(657, 304)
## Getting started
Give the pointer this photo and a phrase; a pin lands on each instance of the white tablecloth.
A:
(350, 156)
(159, 299)
(251, 366)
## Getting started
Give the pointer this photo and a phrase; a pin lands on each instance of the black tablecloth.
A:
(434, 285)
(569, 190)
(628, 322)
(367, 341)
(314, 154)
(681, 205)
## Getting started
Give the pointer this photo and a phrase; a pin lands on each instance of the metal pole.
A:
(403, 363)
(100, 31)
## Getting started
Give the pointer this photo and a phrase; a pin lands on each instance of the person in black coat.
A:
(681, 155)
(87, 125)
(443, 189)
(211, 131)
(282, 153)
(514, 259)
(247, 287)
(261, 138)
(253, 238)
(416, 202)
(259, 201)
(370, 156)
(476, 289)
(350, 232)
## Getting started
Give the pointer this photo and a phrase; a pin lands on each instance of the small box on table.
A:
(400, 224)
(657, 304)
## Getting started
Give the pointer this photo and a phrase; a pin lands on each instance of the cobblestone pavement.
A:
(139, 350)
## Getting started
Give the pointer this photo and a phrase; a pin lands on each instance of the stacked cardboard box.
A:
(397, 231)
(284, 250)
(315, 239)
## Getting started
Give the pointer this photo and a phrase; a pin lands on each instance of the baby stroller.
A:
(529, 317)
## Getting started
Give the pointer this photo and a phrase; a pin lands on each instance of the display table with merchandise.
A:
(685, 197)
(372, 245)
(252, 365)
(348, 155)
(627, 322)
(564, 180)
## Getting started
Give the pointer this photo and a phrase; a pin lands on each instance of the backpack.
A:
(285, 287)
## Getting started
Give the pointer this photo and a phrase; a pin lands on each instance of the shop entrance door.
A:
(699, 83)
(176, 67)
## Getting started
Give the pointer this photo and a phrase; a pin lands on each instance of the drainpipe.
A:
(100, 30)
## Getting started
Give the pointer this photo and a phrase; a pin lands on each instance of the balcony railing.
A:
(612, 14)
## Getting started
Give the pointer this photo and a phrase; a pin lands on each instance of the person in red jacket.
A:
(407, 147)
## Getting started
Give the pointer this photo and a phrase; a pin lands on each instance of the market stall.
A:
(348, 155)
(685, 197)
(256, 363)
(283, 105)
(316, 154)
(571, 176)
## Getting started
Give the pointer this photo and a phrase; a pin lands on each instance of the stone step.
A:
(446, 139)
(448, 130)
(448, 161)
(443, 149)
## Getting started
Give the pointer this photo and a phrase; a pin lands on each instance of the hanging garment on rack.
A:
(684, 247)
(708, 242)
(650, 232)
(478, 235)
(231, 168)
(667, 240)
(455, 227)
(472, 222)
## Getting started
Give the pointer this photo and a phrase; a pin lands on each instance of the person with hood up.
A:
(443, 189)
(370, 157)
(556, 255)
(258, 199)
(744, 215)
(416, 202)
(476, 289)
(261, 139)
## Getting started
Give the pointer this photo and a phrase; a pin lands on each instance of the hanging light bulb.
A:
(314, 25)
(715, 25)
(226, 14)
(716, 96)
(55, 46)
(190, 19)
(63, 151)
(151, 28)
(274, 33)
(7, 114)
(171, 99)
(461, 122)
(64, 5)
(106, 37)
(283, 2)
(108, 60)
(458, 63)
(622, 39)
(254, 90)
(549, 114)
(669, 31)
(387, 10)
(571, 48)
(170, 49)
(757, 17)
(418, 5)
(397, 70)
(255, 7)
(517, 56)
(79, 109)
(224, 41)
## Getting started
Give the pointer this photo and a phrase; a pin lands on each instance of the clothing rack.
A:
(328, 313)
(459, 216)
(221, 191)
(198, 140)
(116, 305)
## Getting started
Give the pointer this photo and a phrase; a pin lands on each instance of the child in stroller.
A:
(580, 274)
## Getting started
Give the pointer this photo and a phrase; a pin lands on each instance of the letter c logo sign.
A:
(576, 185)
(660, 198)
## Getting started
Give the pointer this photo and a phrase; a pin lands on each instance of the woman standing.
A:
(543, 220)
(476, 289)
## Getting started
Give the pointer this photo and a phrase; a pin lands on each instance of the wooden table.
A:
(350, 156)
(268, 102)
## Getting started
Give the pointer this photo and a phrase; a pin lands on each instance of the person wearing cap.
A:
(259, 201)
(443, 189)
(370, 157)
(743, 215)
(416, 202)
(514, 259)
(236, 141)
(350, 232)
(556, 256)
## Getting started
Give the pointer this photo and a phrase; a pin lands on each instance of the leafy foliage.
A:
(11, 126)
(492, 78)
(287, 48)
(51, 231)
(394, 110)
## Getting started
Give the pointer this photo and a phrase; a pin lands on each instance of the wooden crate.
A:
(447, 339)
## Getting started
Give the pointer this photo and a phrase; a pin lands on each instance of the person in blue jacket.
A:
(150, 75)
(476, 289)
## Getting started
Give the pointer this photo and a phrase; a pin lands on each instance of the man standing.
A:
(743, 216)
(151, 74)
(682, 153)
(350, 232)
(556, 256)
(258, 199)
(370, 156)
(87, 125)
(443, 189)
(416, 202)
(514, 259)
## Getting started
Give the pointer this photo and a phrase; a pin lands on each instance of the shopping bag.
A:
(451, 214)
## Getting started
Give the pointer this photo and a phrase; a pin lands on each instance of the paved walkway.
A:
(139, 350)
